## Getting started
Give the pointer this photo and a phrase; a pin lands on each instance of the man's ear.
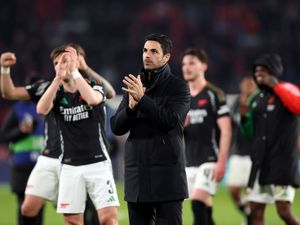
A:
(166, 57)
(205, 67)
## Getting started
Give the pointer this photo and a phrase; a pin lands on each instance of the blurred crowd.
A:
(233, 32)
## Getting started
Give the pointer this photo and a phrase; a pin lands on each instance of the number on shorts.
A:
(208, 173)
(110, 187)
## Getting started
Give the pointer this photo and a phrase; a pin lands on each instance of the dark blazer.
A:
(154, 150)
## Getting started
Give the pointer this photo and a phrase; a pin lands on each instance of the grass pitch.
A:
(224, 211)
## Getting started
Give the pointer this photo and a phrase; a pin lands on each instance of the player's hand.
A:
(82, 63)
(247, 87)
(219, 171)
(132, 103)
(73, 63)
(134, 87)
(8, 59)
(61, 66)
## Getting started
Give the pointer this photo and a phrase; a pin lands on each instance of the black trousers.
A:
(155, 213)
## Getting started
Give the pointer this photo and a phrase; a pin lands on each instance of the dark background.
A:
(233, 33)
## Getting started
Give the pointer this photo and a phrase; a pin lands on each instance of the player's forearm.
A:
(109, 90)
(45, 103)
(7, 86)
(10, 92)
(225, 138)
(225, 141)
(91, 96)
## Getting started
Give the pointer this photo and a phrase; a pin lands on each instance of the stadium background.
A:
(233, 32)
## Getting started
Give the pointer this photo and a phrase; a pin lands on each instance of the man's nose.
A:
(147, 55)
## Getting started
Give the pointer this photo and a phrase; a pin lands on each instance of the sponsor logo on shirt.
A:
(76, 113)
(197, 115)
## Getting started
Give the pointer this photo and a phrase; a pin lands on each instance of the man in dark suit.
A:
(153, 110)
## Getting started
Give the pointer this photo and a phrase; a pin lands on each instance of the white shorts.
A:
(96, 179)
(239, 171)
(202, 177)
(268, 194)
(43, 180)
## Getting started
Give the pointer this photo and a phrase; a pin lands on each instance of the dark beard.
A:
(155, 70)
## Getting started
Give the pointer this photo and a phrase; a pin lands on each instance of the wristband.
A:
(75, 74)
(5, 70)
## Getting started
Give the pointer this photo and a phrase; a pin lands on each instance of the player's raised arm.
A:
(45, 104)
(8, 89)
(91, 96)
(109, 90)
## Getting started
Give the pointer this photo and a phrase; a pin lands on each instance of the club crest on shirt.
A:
(271, 100)
(80, 98)
(202, 102)
(270, 105)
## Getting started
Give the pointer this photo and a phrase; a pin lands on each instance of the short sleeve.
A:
(98, 87)
(37, 89)
(222, 109)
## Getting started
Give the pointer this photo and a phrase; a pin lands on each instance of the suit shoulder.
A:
(175, 80)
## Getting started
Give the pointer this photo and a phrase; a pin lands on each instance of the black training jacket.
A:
(274, 116)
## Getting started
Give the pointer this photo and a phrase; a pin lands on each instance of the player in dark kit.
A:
(271, 123)
(86, 165)
(207, 136)
(37, 192)
(43, 182)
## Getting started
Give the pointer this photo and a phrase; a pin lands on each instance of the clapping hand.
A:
(134, 88)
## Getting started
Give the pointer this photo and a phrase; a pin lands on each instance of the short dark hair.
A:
(79, 49)
(57, 51)
(164, 40)
(61, 49)
(199, 53)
